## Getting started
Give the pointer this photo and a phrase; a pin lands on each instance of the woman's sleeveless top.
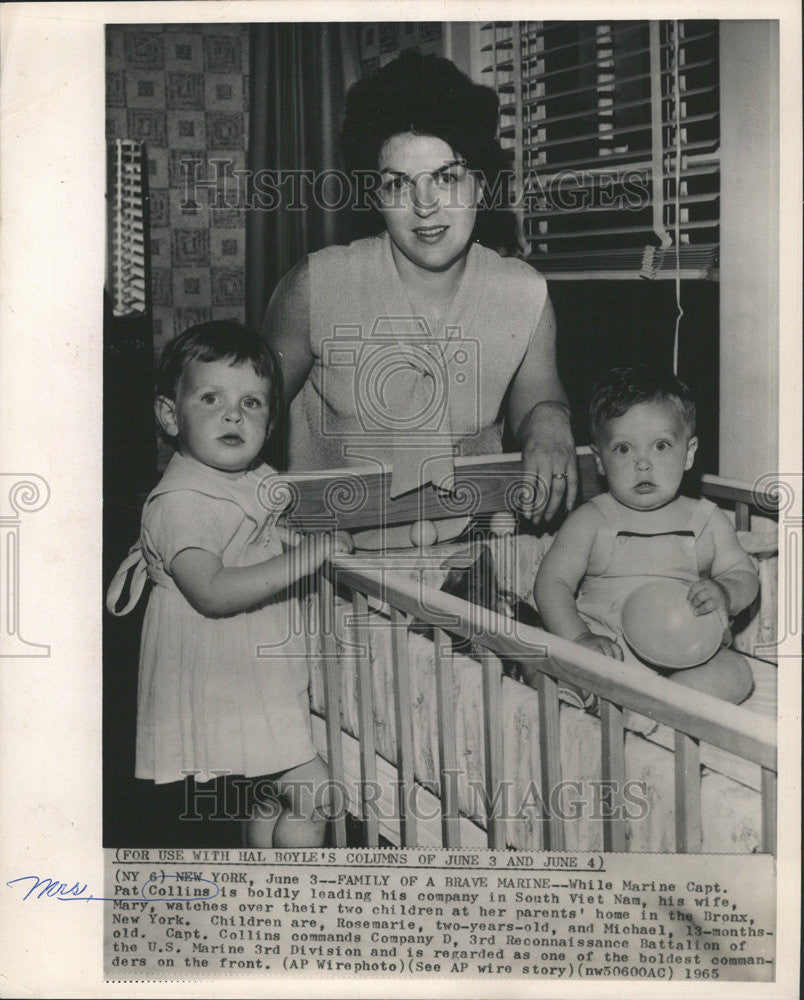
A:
(384, 389)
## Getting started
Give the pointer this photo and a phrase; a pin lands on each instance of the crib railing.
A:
(694, 717)
(490, 484)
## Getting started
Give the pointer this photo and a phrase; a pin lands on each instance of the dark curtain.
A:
(299, 77)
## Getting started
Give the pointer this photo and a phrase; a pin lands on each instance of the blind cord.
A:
(677, 227)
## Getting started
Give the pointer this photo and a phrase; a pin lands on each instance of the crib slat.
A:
(613, 774)
(742, 516)
(445, 706)
(332, 702)
(550, 754)
(768, 792)
(404, 728)
(688, 794)
(493, 742)
(365, 715)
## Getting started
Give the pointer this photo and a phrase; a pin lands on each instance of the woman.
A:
(406, 347)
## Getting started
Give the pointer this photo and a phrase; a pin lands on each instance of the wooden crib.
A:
(353, 499)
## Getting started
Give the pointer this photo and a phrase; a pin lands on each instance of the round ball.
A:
(660, 626)
(423, 533)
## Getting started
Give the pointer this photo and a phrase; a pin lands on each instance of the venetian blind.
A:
(127, 257)
(614, 132)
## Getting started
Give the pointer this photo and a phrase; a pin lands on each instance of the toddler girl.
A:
(208, 701)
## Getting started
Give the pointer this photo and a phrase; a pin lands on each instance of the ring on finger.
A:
(559, 475)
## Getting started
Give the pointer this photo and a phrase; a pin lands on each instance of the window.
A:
(613, 129)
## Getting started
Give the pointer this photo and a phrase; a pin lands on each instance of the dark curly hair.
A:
(426, 95)
(220, 340)
(621, 388)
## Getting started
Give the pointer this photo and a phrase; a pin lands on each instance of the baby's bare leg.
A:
(727, 675)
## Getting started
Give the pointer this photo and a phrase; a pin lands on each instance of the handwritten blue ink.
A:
(52, 889)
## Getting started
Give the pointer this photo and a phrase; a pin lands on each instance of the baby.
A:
(643, 439)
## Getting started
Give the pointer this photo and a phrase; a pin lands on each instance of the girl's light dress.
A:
(227, 694)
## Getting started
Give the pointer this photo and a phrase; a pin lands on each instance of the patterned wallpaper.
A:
(382, 41)
(183, 89)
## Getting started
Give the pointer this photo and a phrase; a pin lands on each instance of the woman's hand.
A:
(548, 453)
(540, 418)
